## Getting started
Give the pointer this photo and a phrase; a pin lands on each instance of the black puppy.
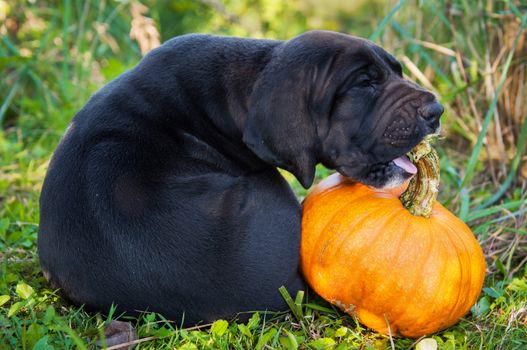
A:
(163, 194)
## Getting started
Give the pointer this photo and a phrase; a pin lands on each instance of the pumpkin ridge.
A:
(336, 244)
(378, 236)
(308, 203)
(463, 244)
(364, 218)
(448, 243)
(343, 208)
(309, 263)
(441, 321)
(419, 271)
(425, 262)
(453, 246)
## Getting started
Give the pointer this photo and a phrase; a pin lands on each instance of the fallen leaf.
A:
(427, 344)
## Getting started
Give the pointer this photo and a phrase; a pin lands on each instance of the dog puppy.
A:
(163, 194)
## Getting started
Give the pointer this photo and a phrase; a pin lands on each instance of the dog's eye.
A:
(363, 80)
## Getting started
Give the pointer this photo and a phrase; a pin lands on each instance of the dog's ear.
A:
(293, 93)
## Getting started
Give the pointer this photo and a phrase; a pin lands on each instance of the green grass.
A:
(52, 65)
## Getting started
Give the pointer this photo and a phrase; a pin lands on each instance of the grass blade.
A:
(386, 20)
(298, 302)
(65, 52)
(490, 112)
(465, 204)
(514, 167)
(478, 214)
(8, 99)
(317, 307)
(11, 94)
(289, 301)
(422, 52)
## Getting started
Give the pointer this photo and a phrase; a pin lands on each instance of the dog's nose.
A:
(431, 112)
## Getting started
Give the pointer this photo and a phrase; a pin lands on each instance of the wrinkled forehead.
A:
(380, 57)
(341, 50)
(387, 58)
(376, 54)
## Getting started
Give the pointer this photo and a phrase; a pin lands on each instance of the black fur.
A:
(163, 194)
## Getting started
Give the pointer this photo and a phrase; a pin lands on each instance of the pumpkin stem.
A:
(422, 191)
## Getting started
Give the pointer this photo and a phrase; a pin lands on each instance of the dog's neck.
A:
(208, 93)
(226, 102)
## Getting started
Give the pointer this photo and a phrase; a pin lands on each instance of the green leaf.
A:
(254, 321)
(219, 327)
(499, 265)
(322, 343)
(4, 299)
(50, 314)
(42, 344)
(163, 332)
(292, 342)
(481, 307)
(346, 346)
(342, 331)
(427, 344)
(265, 338)
(493, 292)
(34, 333)
(518, 285)
(245, 330)
(286, 343)
(13, 310)
(4, 225)
(24, 290)
(14, 237)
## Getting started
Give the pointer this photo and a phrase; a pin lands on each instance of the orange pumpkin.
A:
(365, 252)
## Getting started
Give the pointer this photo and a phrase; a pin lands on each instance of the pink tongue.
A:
(405, 163)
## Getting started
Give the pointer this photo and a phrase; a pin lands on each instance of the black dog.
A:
(163, 194)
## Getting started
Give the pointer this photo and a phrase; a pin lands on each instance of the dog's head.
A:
(342, 101)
